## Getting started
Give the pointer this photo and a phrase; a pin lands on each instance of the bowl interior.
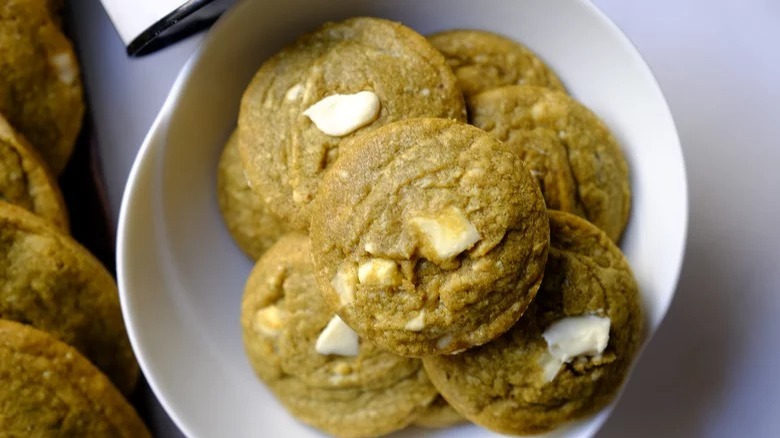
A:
(181, 277)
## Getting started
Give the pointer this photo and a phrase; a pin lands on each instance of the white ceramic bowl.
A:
(181, 276)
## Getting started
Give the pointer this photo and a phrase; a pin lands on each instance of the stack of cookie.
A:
(434, 223)
(65, 358)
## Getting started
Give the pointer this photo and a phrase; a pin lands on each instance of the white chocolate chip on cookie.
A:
(446, 235)
(341, 114)
(377, 271)
(268, 320)
(337, 338)
(344, 282)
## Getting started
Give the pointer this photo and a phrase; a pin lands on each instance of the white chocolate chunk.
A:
(550, 366)
(344, 282)
(444, 342)
(417, 323)
(294, 92)
(446, 235)
(340, 114)
(585, 335)
(269, 320)
(66, 69)
(337, 338)
(380, 272)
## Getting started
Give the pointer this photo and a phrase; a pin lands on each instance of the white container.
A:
(181, 277)
(147, 25)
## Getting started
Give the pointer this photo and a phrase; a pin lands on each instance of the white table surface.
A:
(712, 368)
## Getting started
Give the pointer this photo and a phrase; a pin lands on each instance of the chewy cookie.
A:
(483, 60)
(576, 159)
(49, 389)
(313, 362)
(250, 223)
(345, 78)
(439, 414)
(40, 84)
(569, 353)
(50, 282)
(25, 180)
(429, 236)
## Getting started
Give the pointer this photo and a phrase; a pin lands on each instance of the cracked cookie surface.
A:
(54, 284)
(484, 60)
(283, 317)
(285, 153)
(575, 157)
(49, 389)
(429, 236)
(503, 385)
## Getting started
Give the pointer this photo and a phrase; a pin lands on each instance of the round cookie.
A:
(282, 318)
(284, 150)
(509, 385)
(483, 60)
(251, 224)
(52, 283)
(25, 179)
(429, 236)
(49, 389)
(40, 84)
(283, 283)
(439, 414)
(591, 157)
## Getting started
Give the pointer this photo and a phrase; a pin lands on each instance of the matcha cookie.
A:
(576, 159)
(50, 390)
(286, 277)
(252, 226)
(317, 367)
(343, 79)
(568, 355)
(439, 414)
(40, 84)
(429, 236)
(50, 282)
(25, 180)
(483, 60)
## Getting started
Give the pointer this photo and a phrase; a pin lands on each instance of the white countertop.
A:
(712, 368)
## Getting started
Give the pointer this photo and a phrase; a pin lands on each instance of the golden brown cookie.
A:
(253, 227)
(50, 390)
(25, 179)
(484, 60)
(290, 341)
(429, 236)
(52, 283)
(576, 159)
(40, 84)
(439, 414)
(556, 364)
(343, 79)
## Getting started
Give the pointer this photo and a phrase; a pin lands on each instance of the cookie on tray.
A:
(568, 355)
(25, 179)
(52, 283)
(575, 157)
(253, 227)
(483, 60)
(315, 364)
(50, 389)
(343, 79)
(40, 85)
(429, 236)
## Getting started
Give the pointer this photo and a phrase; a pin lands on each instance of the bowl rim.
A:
(154, 142)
